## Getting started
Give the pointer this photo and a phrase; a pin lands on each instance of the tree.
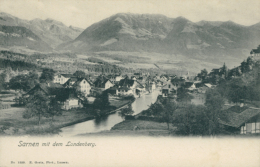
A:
(203, 74)
(183, 95)
(47, 75)
(54, 108)
(80, 74)
(224, 71)
(37, 106)
(164, 110)
(214, 103)
(101, 104)
(19, 82)
(2, 81)
(83, 98)
(24, 82)
(126, 111)
(191, 121)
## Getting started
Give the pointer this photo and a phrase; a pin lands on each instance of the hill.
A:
(21, 36)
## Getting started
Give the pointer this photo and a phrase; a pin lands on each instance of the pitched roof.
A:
(208, 85)
(101, 81)
(79, 81)
(255, 50)
(236, 119)
(75, 81)
(67, 75)
(126, 82)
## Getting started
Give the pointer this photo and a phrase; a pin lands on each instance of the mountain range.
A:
(50, 31)
(210, 41)
(158, 33)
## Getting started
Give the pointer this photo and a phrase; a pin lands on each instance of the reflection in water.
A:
(107, 122)
(101, 121)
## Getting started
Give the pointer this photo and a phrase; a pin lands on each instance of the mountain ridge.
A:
(159, 33)
(49, 30)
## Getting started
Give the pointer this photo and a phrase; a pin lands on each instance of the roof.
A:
(101, 81)
(75, 81)
(236, 119)
(126, 82)
(113, 76)
(46, 87)
(208, 85)
(80, 79)
(57, 90)
(67, 75)
(188, 84)
(255, 50)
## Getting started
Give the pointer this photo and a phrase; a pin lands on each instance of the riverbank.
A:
(105, 123)
(13, 123)
(145, 128)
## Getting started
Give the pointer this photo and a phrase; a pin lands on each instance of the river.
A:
(107, 122)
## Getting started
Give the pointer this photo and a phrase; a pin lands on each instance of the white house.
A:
(168, 89)
(243, 120)
(71, 103)
(129, 86)
(115, 78)
(80, 84)
(103, 83)
(62, 78)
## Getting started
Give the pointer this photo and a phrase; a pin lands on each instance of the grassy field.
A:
(14, 124)
(12, 119)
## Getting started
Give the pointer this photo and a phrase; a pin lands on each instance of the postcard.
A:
(129, 83)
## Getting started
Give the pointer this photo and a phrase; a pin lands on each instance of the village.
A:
(80, 96)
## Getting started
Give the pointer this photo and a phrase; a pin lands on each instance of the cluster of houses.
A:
(66, 88)
(170, 87)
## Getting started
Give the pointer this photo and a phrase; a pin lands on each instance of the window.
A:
(253, 127)
(169, 86)
(257, 127)
(248, 127)
(243, 129)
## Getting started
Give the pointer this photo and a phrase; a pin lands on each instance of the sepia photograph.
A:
(129, 83)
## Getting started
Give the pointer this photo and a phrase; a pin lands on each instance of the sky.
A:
(83, 13)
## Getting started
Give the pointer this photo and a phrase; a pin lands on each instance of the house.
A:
(72, 102)
(255, 52)
(190, 86)
(141, 79)
(133, 77)
(114, 78)
(129, 87)
(103, 83)
(62, 78)
(242, 120)
(208, 85)
(164, 78)
(79, 84)
(169, 89)
(138, 74)
(150, 86)
(65, 96)
(178, 82)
